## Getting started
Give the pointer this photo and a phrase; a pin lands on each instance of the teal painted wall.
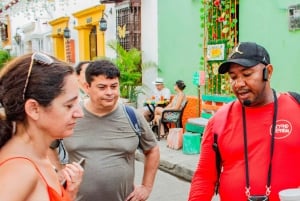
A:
(178, 42)
(266, 22)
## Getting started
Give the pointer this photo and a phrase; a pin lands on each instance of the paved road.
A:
(167, 187)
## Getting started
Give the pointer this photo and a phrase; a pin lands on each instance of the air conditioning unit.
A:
(294, 17)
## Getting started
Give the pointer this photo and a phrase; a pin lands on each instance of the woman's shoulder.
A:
(181, 94)
(12, 166)
(12, 169)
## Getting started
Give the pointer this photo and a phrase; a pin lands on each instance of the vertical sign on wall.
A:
(202, 78)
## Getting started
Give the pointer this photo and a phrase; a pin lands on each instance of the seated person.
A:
(160, 91)
(177, 103)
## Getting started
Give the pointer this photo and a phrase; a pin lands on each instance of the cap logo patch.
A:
(236, 50)
(265, 60)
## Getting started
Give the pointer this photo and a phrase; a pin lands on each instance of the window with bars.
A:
(3, 32)
(294, 17)
(129, 24)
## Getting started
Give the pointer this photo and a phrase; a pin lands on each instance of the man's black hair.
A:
(101, 67)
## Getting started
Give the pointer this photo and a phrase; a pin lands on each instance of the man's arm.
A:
(151, 163)
(205, 176)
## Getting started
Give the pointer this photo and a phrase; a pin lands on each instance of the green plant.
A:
(219, 20)
(130, 65)
(4, 57)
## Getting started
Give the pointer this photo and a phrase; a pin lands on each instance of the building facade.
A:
(170, 33)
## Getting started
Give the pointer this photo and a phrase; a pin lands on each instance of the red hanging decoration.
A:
(9, 5)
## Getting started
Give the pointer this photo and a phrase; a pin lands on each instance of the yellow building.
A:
(90, 38)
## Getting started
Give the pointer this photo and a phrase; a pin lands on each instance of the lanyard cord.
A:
(268, 187)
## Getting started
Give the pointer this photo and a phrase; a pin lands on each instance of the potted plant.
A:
(130, 65)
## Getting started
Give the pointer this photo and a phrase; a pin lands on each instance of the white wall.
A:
(149, 41)
(110, 33)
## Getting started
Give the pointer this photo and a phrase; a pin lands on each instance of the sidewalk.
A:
(174, 161)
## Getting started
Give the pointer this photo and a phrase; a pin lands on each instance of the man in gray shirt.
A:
(105, 138)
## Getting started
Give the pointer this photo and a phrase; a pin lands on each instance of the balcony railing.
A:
(110, 1)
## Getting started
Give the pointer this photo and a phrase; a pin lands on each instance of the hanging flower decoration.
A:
(219, 20)
(214, 36)
(32, 9)
(217, 3)
(222, 17)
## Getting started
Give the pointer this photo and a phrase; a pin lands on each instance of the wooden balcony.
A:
(110, 1)
(133, 2)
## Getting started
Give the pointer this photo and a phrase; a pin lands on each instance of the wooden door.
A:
(93, 43)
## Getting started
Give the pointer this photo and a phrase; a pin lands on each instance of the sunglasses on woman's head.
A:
(39, 58)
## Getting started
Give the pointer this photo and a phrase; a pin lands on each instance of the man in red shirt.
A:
(260, 143)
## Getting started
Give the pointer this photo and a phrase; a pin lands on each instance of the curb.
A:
(174, 169)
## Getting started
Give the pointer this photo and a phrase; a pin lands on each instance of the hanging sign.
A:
(196, 78)
(202, 78)
(216, 52)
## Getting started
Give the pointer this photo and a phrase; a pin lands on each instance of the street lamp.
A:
(17, 38)
(103, 24)
(67, 33)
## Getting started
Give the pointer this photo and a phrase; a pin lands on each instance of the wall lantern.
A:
(17, 38)
(103, 24)
(67, 33)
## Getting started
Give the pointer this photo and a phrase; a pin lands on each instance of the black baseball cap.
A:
(247, 54)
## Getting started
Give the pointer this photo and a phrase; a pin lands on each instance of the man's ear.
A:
(270, 71)
(86, 87)
(32, 108)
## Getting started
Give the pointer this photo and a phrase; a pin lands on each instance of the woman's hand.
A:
(72, 174)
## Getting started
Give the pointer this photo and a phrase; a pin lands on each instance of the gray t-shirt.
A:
(108, 143)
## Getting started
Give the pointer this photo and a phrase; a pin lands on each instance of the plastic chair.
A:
(170, 117)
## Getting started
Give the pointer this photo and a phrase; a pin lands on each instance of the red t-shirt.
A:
(286, 158)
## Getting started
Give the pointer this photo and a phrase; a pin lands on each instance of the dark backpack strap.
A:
(218, 127)
(130, 113)
(62, 151)
(295, 95)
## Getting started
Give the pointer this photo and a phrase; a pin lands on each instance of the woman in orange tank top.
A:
(39, 103)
